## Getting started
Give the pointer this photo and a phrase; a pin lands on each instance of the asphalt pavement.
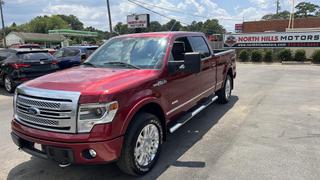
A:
(269, 130)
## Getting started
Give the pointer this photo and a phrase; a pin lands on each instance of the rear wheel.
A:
(224, 94)
(142, 145)
(8, 84)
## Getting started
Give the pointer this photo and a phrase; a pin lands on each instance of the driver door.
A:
(182, 87)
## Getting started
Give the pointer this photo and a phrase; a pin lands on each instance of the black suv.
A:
(19, 65)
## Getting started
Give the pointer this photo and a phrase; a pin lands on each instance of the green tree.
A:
(42, 24)
(155, 26)
(73, 22)
(172, 25)
(121, 28)
(280, 15)
(195, 26)
(212, 26)
(306, 9)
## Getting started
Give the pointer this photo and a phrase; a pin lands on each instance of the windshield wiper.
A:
(122, 64)
(89, 64)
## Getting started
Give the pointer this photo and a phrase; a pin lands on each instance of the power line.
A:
(155, 12)
(182, 12)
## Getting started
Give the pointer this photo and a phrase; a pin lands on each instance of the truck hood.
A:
(92, 80)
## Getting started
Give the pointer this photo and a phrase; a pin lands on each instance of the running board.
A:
(184, 119)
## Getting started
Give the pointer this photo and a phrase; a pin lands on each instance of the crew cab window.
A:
(200, 45)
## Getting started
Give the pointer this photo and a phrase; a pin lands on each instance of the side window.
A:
(180, 47)
(200, 45)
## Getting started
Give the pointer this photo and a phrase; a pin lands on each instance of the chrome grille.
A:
(32, 119)
(38, 103)
(47, 109)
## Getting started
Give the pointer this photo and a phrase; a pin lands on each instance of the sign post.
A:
(272, 40)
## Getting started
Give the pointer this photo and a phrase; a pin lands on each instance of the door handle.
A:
(182, 67)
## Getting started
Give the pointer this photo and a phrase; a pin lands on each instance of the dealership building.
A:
(310, 24)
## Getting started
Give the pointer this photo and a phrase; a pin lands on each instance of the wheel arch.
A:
(151, 106)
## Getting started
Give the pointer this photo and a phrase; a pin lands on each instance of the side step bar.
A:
(184, 119)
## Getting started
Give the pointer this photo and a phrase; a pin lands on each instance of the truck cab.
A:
(120, 104)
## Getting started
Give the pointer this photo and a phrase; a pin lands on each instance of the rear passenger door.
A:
(208, 63)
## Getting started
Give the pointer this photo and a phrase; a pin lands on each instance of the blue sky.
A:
(93, 12)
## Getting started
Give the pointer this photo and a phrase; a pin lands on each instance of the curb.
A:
(296, 63)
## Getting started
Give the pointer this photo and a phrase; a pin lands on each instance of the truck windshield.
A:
(128, 52)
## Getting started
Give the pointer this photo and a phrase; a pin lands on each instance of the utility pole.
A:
(291, 19)
(3, 29)
(278, 6)
(109, 14)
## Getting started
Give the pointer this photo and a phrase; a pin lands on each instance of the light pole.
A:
(109, 14)
(3, 29)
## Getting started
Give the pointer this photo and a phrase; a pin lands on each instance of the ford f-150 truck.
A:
(122, 101)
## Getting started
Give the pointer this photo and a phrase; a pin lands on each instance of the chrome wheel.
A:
(228, 88)
(147, 145)
(8, 84)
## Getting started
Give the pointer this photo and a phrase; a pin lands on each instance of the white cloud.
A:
(263, 3)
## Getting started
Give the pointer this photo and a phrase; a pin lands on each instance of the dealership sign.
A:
(272, 40)
(238, 28)
(138, 21)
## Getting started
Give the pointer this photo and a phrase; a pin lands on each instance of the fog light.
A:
(92, 153)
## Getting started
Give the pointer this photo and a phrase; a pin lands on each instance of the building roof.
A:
(69, 32)
(38, 37)
(279, 25)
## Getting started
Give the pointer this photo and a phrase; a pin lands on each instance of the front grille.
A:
(51, 112)
(38, 103)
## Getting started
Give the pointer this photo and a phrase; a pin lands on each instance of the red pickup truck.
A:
(120, 104)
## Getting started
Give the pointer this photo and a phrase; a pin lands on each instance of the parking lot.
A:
(269, 130)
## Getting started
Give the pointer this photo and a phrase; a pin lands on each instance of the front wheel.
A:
(142, 145)
(224, 94)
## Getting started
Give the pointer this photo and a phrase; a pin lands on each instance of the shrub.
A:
(300, 55)
(267, 56)
(256, 56)
(285, 55)
(244, 55)
(316, 56)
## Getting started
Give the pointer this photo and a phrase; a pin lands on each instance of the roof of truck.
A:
(162, 34)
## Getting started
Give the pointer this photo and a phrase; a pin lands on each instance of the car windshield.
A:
(66, 52)
(34, 56)
(127, 52)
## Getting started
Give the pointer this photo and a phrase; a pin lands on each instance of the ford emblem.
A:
(33, 111)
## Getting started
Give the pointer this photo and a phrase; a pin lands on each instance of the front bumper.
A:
(68, 152)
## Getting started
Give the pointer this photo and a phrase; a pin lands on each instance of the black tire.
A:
(8, 84)
(223, 95)
(127, 162)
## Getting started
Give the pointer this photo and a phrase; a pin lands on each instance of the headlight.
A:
(92, 114)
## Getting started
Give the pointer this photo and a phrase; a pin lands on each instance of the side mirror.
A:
(191, 64)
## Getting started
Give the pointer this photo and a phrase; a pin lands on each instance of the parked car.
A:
(120, 104)
(19, 65)
(24, 46)
(73, 55)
